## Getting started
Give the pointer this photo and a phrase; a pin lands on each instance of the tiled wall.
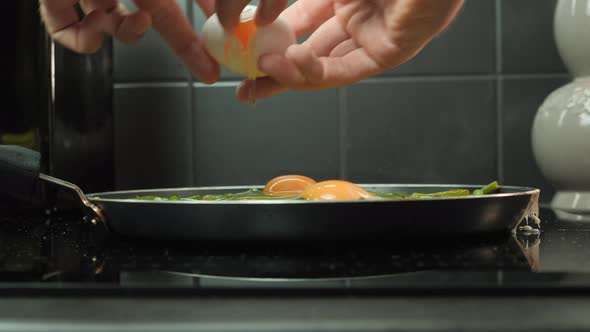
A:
(460, 112)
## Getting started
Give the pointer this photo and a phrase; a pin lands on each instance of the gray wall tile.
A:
(296, 132)
(153, 137)
(528, 43)
(148, 60)
(521, 100)
(422, 132)
(466, 47)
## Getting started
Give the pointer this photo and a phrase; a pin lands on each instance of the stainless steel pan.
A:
(283, 220)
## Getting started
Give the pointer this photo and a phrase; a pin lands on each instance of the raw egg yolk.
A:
(243, 33)
(334, 190)
(287, 185)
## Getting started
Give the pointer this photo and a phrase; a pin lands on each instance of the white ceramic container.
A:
(561, 129)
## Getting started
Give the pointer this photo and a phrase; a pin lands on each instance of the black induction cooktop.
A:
(63, 253)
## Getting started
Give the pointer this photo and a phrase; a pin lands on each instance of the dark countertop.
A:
(61, 273)
(449, 314)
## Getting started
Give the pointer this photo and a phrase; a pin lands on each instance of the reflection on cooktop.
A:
(329, 261)
(66, 250)
(359, 266)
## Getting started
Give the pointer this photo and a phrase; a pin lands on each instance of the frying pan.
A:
(285, 220)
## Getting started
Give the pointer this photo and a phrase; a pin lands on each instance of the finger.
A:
(56, 5)
(92, 5)
(344, 48)
(58, 15)
(305, 16)
(411, 25)
(263, 88)
(268, 11)
(124, 26)
(64, 26)
(307, 62)
(281, 69)
(301, 69)
(229, 12)
(169, 20)
(354, 66)
(207, 6)
(129, 28)
(327, 36)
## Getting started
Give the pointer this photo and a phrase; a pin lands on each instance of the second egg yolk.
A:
(287, 185)
(334, 190)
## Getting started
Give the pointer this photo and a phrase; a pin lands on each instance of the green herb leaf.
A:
(394, 195)
(489, 189)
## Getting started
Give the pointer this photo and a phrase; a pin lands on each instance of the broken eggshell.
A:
(228, 51)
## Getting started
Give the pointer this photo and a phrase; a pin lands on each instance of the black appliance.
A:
(60, 103)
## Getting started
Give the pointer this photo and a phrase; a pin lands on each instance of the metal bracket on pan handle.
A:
(97, 212)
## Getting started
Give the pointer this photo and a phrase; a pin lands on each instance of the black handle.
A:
(19, 171)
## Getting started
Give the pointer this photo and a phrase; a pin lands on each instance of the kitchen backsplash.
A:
(460, 112)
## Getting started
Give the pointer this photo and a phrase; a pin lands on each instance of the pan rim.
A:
(96, 197)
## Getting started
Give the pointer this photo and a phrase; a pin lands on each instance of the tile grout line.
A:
(343, 132)
(426, 78)
(178, 84)
(499, 94)
(534, 76)
(192, 116)
(400, 79)
(498, 39)
(499, 130)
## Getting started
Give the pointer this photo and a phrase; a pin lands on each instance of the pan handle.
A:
(97, 211)
(20, 171)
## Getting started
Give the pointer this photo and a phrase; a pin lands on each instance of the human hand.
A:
(351, 41)
(111, 17)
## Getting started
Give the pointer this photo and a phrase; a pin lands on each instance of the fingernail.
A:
(265, 61)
